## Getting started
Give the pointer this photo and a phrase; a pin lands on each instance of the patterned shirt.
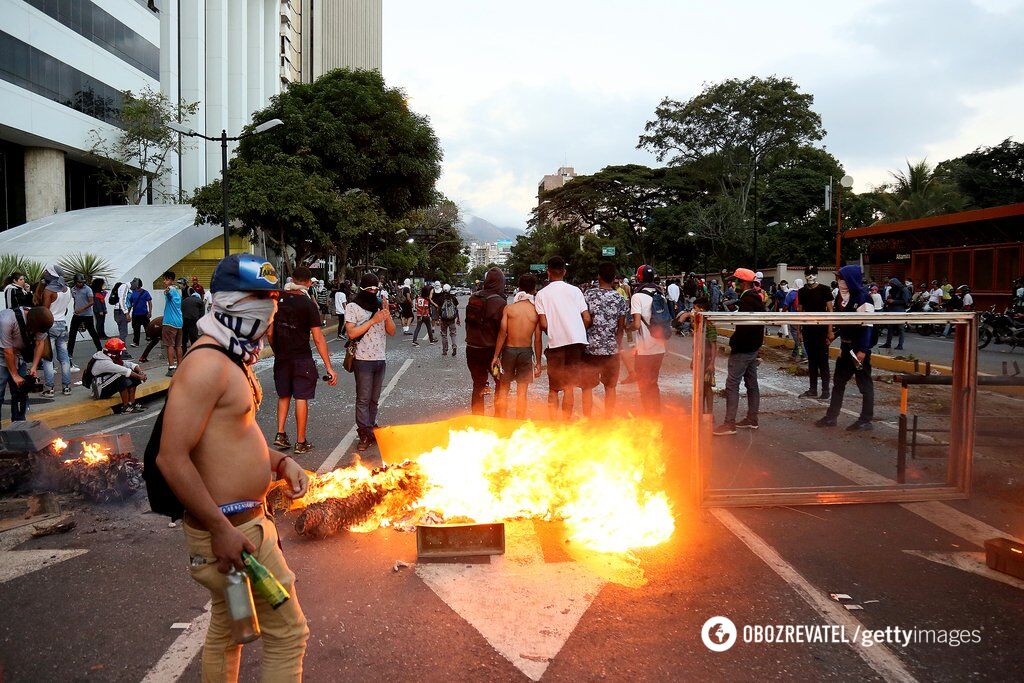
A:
(606, 307)
(371, 345)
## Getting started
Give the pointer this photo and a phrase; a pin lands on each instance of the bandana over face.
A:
(239, 323)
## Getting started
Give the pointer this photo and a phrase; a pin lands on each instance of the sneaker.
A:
(415, 343)
(433, 341)
(75, 368)
(302, 447)
(364, 443)
(281, 441)
(134, 345)
(747, 423)
(825, 395)
(810, 393)
(170, 372)
(899, 348)
(885, 346)
(138, 407)
(860, 426)
(724, 429)
(407, 332)
(66, 391)
(47, 393)
(825, 422)
(453, 352)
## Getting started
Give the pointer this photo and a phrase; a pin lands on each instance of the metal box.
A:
(454, 541)
(1005, 556)
(27, 437)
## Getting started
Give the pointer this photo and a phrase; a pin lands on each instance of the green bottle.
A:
(264, 583)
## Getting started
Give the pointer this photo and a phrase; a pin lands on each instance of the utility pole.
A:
(846, 182)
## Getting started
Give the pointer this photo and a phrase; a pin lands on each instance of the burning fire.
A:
(59, 445)
(92, 453)
(602, 478)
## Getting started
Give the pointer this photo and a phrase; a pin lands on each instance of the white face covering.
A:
(812, 279)
(239, 322)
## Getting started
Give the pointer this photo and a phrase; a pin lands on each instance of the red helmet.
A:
(114, 345)
(645, 274)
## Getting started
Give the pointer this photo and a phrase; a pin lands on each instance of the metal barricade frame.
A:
(962, 418)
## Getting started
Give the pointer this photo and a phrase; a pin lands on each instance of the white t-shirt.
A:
(339, 302)
(673, 292)
(968, 300)
(562, 304)
(935, 296)
(876, 299)
(646, 343)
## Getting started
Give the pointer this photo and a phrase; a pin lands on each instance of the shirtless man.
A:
(519, 348)
(215, 459)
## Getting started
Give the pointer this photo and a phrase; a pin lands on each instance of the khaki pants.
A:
(284, 630)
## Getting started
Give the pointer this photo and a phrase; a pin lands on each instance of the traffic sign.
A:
(539, 267)
(607, 251)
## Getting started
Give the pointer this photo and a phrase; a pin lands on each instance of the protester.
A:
(960, 300)
(82, 318)
(22, 337)
(744, 345)
(140, 303)
(109, 374)
(626, 352)
(340, 302)
(154, 335)
(57, 298)
(118, 302)
(816, 298)
(702, 304)
(16, 292)
(600, 365)
(854, 352)
(715, 296)
(651, 336)
(518, 349)
(192, 309)
(99, 306)
(173, 322)
(563, 314)
(405, 299)
(792, 304)
(730, 298)
(673, 293)
(216, 461)
(448, 315)
(198, 287)
(423, 307)
(368, 323)
(295, 372)
(897, 301)
(484, 312)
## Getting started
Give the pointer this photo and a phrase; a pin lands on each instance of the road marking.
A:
(938, 513)
(526, 609)
(968, 562)
(126, 423)
(181, 652)
(347, 440)
(15, 563)
(878, 656)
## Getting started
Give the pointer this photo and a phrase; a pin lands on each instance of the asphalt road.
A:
(545, 610)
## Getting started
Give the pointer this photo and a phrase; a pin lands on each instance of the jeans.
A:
(59, 344)
(284, 630)
(420, 322)
(742, 366)
(815, 338)
(794, 334)
(121, 318)
(447, 328)
(648, 368)
(19, 399)
(845, 369)
(77, 322)
(889, 330)
(369, 380)
(478, 359)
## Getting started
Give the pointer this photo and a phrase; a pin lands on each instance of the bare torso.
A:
(522, 323)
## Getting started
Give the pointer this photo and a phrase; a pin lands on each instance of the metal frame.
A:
(962, 416)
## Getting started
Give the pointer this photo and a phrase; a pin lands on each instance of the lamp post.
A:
(223, 138)
(844, 182)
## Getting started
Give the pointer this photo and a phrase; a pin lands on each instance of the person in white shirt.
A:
(673, 293)
(935, 296)
(650, 350)
(340, 301)
(564, 315)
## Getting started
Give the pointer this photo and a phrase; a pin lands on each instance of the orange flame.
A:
(59, 445)
(92, 454)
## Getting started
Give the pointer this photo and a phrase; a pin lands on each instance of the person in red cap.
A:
(744, 345)
(108, 374)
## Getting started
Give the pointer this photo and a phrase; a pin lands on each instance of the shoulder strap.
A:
(20, 317)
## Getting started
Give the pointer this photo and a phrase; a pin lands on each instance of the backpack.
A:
(481, 331)
(161, 498)
(448, 309)
(661, 317)
(115, 297)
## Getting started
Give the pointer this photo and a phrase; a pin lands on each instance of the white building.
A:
(63, 66)
(341, 33)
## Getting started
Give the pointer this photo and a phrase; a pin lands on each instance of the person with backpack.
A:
(448, 314)
(118, 301)
(22, 339)
(652, 323)
(423, 305)
(82, 318)
(484, 311)
(208, 462)
(744, 345)
(564, 315)
(108, 374)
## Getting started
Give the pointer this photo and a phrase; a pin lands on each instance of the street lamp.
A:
(844, 182)
(261, 128)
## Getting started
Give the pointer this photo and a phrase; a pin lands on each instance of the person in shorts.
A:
(608, 311)
(518, 348)
(295, 372)
(563, 314)
(173, 322)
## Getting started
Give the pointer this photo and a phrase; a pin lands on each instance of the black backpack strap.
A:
(19, 315)
(256, 394)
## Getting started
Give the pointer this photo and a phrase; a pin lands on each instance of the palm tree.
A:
(918, 193)
(89, 265)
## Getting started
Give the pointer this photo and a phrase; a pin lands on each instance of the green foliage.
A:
(141, 147)
(16, 263)
(988, 176)
(918, 193)
(89, 265)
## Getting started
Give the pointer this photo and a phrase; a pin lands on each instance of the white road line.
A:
(126, 423)
(938, 513)
(181, 652)
(878, 656)
(347, 440)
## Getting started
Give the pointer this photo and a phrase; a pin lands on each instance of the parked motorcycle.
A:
(1000, 328)
(921, 305)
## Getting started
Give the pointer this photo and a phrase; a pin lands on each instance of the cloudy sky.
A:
(516, 89)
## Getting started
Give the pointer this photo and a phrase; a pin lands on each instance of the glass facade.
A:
(88, 20)
(34, 70)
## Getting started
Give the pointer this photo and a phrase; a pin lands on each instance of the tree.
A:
(731, 128)
(138, 154)
(918, 193)
(988, 176)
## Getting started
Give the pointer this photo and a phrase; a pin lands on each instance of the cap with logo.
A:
(244, 273)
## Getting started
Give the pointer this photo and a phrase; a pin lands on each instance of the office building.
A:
(341, 33)
(555, 181)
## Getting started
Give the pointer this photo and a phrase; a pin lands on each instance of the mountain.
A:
(476, 229)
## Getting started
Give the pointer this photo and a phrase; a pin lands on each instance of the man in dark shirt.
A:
(815, 297)
(295, 373)
(744, 344)
(483, 320)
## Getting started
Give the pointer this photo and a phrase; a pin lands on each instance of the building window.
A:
(38, 72)
(86, 19)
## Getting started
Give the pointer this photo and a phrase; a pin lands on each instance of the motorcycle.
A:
(1000, 328)
(921, 305)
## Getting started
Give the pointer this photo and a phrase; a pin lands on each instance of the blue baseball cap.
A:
(244, 273)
